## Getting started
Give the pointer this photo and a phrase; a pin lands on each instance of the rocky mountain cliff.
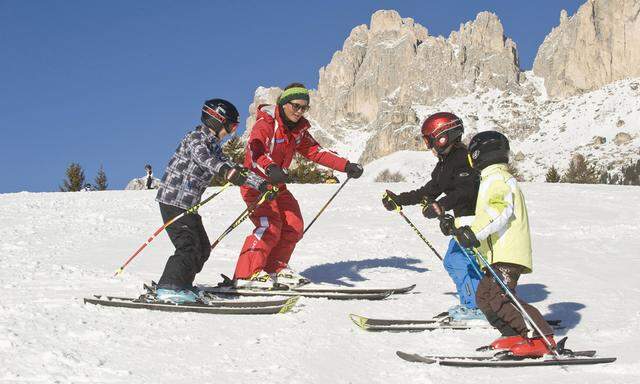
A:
(390, 75)
(598, 45)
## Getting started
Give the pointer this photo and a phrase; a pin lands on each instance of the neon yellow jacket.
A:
(501, 222)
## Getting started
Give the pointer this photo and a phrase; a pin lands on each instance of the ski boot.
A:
(535, 347)
(259, 280)
(506, 342)
(465, 314)
(176, 296)
(290, 278)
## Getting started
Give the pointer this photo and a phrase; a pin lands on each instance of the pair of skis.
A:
(506, 360)
(315, 291)
(224, 300)
(220, 307)
(440, 321)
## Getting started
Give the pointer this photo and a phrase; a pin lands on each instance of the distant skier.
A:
(149, 179)
(196, 161)
(279, 132)
(453, 177)
(501, 231)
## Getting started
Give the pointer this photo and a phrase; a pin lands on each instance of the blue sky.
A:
(119, 83)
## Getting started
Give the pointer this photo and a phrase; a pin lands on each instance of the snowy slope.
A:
(59, 247)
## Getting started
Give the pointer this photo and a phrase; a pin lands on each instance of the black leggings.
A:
(192, 248)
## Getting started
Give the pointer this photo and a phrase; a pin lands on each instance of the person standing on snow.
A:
(500, 231)
(149, 179)
(453, 177)
(196, 161)
(279, 132)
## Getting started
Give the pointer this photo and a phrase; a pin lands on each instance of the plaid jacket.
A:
(196, 161)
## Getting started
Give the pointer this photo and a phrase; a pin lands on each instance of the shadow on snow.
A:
(332, 273)
(568, 312)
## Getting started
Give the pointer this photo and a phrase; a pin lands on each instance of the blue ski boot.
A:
(176, 296)
(462, 313)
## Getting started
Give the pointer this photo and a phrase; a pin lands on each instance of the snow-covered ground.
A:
(56, 248)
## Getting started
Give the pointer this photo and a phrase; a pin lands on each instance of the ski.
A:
(215, 301)
(504, 359)
(219, 307)
(320, 288)
(470, 361)
(291, 292)
(440, 321)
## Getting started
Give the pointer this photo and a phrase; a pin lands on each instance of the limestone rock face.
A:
(598, 45)
(392, 64)
(261, 96)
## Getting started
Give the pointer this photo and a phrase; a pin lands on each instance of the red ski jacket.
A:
(270, 142)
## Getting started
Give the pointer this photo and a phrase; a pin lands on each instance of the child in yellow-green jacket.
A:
(500, 231)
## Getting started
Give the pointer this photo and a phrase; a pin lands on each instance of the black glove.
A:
(353, 170)
(236, 175)
(466, 238)
(276, 174)
(432, 210)
(266, 187)
(447, 225)
(389, 201)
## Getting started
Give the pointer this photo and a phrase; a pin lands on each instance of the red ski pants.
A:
(279, 227)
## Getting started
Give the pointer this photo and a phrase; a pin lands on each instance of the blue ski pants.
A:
(464, 274)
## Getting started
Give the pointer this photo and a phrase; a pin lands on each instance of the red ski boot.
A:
(506, 342)
(535, 347)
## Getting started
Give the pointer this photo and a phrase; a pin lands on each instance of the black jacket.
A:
(452, 176)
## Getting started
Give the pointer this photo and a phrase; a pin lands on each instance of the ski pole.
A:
(246, 213)
(168, 223)
(417, 231)
(326, 205)
(515, 301)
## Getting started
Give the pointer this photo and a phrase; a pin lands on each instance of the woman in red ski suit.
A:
(279, 132)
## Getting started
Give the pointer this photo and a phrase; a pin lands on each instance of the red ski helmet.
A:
(442, 129)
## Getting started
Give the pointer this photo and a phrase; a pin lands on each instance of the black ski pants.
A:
(192, 248)
(500, 310)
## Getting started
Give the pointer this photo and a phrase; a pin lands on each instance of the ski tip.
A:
(405, 289)
(289, 304)
(414, 358)
(358, 320)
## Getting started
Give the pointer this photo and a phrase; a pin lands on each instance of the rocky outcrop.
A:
(141, 184)
(394, 63)
(598, 45)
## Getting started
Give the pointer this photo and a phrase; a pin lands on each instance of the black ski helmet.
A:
(487, 148)
(218, 114)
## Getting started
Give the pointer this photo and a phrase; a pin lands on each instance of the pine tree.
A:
(552, 175)
(631, 174)
(75, 178)
(580, 172)
(513, 170)
(307, 172)
(101, 180)
(234, 149)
